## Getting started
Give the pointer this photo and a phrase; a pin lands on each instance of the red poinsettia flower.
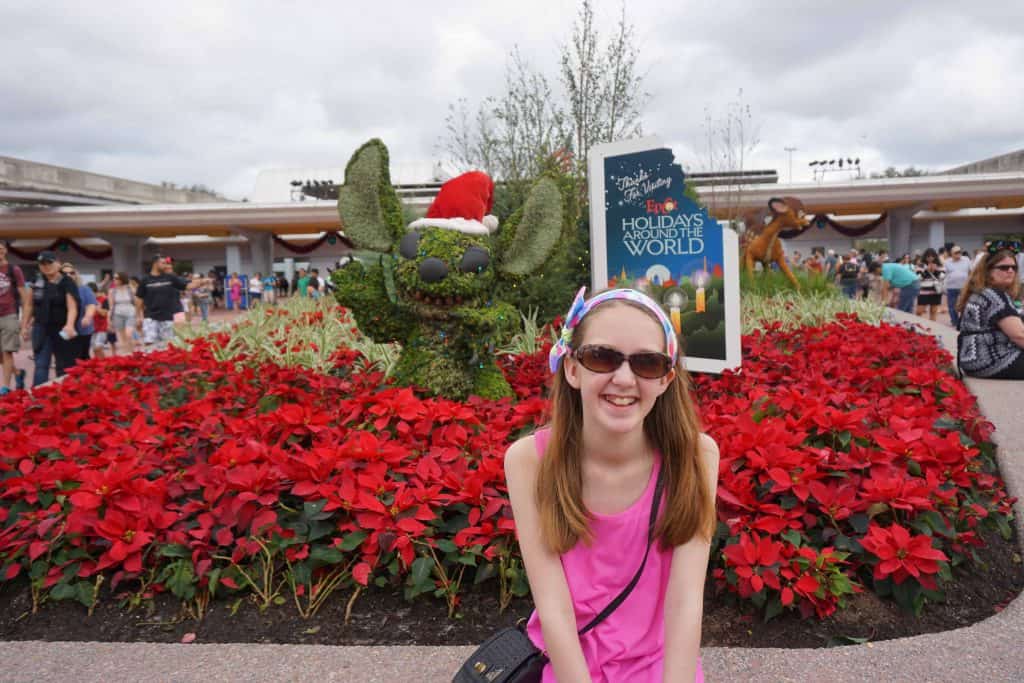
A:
(902, 555)
(128, 536)
(755, 559)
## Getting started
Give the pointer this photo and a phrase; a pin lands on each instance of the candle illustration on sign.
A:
(700, 278)
(676, 300)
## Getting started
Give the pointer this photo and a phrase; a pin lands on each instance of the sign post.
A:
(647, 234)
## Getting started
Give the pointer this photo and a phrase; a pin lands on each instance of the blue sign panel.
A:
(646, 233)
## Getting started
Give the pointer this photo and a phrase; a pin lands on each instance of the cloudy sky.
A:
(214, 92)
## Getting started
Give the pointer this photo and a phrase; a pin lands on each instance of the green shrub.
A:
(297, 332)
(793, 309)
(769, 282)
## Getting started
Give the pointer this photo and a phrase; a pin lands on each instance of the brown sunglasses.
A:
(605, 359)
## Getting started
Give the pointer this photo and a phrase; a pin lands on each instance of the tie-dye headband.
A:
(580, 307)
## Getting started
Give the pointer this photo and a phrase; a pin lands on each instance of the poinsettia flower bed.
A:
(851, 460)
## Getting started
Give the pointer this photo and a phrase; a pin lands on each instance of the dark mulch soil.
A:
(383, 617)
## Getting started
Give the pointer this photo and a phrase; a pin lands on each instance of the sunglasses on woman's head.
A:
(604, 359)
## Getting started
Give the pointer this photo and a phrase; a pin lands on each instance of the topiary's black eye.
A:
(409, 245)
(475, 260)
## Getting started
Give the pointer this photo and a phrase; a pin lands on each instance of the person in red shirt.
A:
(13, 296)
(813, 264)
(100, 323)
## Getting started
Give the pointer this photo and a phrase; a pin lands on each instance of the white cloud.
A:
(214, 92)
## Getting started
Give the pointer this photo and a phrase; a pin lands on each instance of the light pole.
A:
(790, 150)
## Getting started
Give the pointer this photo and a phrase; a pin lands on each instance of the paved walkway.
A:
(990, 651)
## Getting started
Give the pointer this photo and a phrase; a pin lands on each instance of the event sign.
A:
(647, 234)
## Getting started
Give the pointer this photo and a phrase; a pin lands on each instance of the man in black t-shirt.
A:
(157, 299)
(52, 309)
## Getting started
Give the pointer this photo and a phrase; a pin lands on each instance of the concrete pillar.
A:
(233, 259)
(936, 234)
(261, 250)
(128, 254)
(898, 222)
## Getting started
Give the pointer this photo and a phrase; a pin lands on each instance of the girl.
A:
(121, 296)
(100, 323)
(234, 293)
(581, 492)
(932, 276)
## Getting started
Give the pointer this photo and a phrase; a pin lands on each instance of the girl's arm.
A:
(684, 599)
(543, 567)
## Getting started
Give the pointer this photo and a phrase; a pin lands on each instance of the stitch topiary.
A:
(436, 288)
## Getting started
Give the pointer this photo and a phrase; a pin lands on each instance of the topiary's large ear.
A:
(530, 235)
(371, 215)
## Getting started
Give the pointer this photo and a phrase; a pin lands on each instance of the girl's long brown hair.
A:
(979, 278)
(672, 427)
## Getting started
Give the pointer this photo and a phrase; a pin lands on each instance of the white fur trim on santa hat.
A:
(466, 225)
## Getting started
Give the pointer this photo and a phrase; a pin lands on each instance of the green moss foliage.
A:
(449, 328)
(370, 211)
(535, 229)
(362, 290)
(549, 287)
(449, 246)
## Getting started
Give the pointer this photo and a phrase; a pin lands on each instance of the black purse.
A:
(509, 656)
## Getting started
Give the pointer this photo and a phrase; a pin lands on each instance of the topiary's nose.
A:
(433, 270)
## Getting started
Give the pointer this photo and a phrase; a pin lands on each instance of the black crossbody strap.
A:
(614, 604)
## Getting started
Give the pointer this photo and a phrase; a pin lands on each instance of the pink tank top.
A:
(629, 645)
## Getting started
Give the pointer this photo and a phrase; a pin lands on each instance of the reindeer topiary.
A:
(763, 245)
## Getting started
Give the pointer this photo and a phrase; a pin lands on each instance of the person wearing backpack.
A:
(13, 298)
(847, 275)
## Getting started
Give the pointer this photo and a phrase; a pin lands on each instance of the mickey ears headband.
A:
(581, 306)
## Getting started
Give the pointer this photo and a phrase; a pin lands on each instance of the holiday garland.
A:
(821, 220)
(331, 237)
(62, 244)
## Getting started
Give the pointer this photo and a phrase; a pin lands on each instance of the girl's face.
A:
(617, 402)
(1003, 273)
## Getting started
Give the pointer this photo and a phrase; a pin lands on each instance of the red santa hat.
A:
(464, 204)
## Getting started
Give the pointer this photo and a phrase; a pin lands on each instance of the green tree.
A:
(730, 136)
(514, 135)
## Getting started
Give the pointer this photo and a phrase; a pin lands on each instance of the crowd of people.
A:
(982, 294)
(66, 319)
(919, 283)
